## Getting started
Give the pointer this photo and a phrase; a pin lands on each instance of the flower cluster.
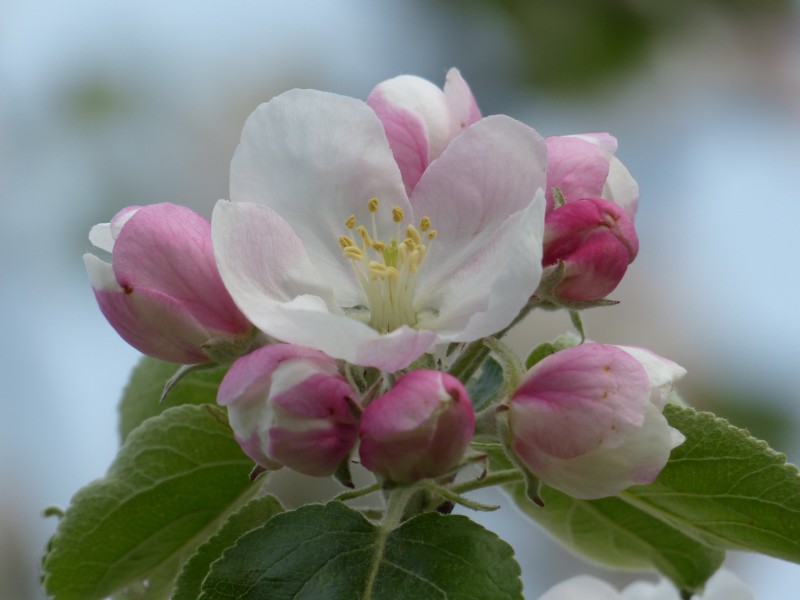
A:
(366, 254)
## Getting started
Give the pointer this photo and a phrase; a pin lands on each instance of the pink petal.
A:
(460, 102)
(167, 248)
(151, 322)
(576, 166)
(580, 399)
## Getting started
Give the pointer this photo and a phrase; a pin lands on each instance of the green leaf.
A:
(252, 515)
(613, 533)
(539, 353)
(484, 388)
(333, 552)
(174, 479)
(140, 399)
(726, 487)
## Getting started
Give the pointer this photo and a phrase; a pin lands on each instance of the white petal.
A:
(581, 587)
(316, 158)
(486, 292)
(101, 274)
(482, 197)
(262, 261)
(620, 187)
(100, 237)
(662, 373)
(347, 339)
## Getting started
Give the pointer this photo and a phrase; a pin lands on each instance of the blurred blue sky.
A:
(108, 104)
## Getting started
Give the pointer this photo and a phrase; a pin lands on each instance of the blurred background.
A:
(107, 104)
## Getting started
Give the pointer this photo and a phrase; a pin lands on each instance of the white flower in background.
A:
(724, 585)
(322, 247)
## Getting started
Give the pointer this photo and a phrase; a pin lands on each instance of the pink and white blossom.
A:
(289, 406)
(418, 429)
(162, 291)
(588, 420)
(321, 245)
(421, 119)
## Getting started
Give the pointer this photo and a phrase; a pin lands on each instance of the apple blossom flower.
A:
(588, 420)
(289, 406)
(723, 585)
(162, 291)
(320, 245)
(420, 119)
(584, 166)
(418, 429)
(589, 243)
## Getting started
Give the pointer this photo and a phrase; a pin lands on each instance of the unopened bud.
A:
(587, 420)
(419, 429)
(289, 406)
(594, 240)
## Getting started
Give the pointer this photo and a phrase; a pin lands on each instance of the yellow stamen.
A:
(412, 232)
(353, 253)
(387, 267)
(377, 270)
(362, 231)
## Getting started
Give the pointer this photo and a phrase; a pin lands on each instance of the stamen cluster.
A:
(388, 270)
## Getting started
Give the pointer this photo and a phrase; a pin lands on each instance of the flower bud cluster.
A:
(289, 406)
(485, 220)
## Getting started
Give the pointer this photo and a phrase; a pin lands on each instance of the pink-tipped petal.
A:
(460, 102)
(577, 167)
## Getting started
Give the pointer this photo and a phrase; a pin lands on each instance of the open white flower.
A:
(321, 246)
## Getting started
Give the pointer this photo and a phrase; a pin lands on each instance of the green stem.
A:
(358, 493)
(392, 517)
(475, 353)
(448, 494)
(496, 478)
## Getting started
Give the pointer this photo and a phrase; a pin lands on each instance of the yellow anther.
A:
(397, 214)
(345, 241)
(353, 253)
(362, 231)
(378, 246)
(433, 233)
(377, 270)
(409, 244)
(393, 274)
(351, 222)
(372, 205)
(412, 232)
(425, 223)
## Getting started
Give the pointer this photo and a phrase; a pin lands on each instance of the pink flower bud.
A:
(162, 291)
(596, 241)
(587, 420)
(584, 166)
(288, 405)
(418, 429)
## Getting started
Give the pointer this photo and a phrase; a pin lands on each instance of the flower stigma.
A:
(387, 270)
